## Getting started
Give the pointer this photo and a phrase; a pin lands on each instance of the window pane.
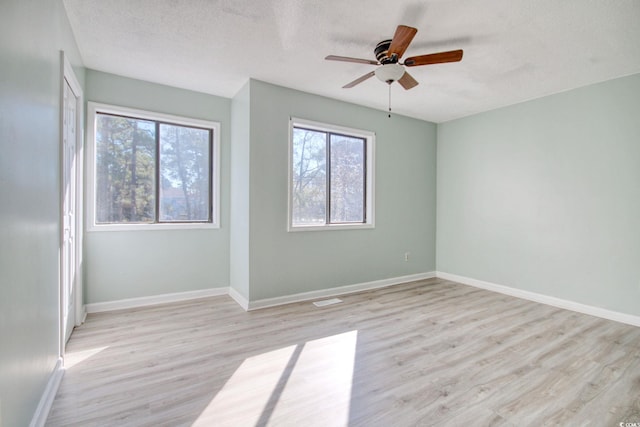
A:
(125, 170)
(309, 177)
(347, 179)
(184, 173)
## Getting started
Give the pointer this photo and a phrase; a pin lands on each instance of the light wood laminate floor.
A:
(426, 353)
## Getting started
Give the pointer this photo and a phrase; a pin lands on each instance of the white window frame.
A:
(93, 108)
(370, 138)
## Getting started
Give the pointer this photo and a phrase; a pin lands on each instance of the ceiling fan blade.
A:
(401, 40)
(407, 81)
(349, 59)
(359, 80)
(434, 58)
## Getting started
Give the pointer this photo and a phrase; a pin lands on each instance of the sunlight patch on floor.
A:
(305, 384)
(72, 358)
(320, 383)
(245, 395)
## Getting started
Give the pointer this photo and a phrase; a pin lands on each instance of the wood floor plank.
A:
(431, 352)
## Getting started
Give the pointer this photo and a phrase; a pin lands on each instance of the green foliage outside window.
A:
(148, 172)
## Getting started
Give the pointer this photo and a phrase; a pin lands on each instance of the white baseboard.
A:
(155, 299)
(337, 291)
(49, 394)
(544, 299)
(252, 305)
(359, 287)
(237, 297)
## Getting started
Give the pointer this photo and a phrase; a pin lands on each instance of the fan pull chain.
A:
(389, 100)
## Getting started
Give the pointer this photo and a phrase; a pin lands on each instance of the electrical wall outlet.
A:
(406, 256)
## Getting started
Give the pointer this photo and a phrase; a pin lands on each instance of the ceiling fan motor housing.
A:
(382, 53)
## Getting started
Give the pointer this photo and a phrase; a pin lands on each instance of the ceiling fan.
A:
(388, 54)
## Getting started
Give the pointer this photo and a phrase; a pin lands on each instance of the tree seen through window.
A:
(148, 171)
(328, 178)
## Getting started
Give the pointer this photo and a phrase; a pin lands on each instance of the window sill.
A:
(151, 227)
(330, 227)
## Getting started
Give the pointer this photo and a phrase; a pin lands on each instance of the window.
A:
(151, 170)
(330, 177)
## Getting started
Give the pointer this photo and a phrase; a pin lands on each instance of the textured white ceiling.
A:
(514, 50)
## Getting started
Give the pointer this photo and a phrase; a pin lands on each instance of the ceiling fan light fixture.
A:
(389, 73)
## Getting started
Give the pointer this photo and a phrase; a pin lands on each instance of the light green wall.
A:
(32, 34)
(544, 196)
(129, 264)
(285, 263)
(240, 172)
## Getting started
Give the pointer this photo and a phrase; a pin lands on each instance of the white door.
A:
(69, 205)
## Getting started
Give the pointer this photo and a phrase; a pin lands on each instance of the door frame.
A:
(68, 76)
